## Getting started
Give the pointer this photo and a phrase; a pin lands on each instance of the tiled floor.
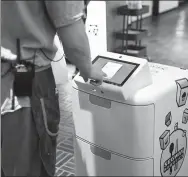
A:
(65, 158)
(167, 43)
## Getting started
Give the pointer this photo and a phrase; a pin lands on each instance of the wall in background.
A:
(167, 5)
(150, 4)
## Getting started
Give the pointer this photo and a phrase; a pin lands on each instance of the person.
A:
(69, 64)
(29, 130)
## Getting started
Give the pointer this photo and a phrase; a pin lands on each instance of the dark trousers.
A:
(29, 134)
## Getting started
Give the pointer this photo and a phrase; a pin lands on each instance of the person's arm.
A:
(67, 19)
(76, 46)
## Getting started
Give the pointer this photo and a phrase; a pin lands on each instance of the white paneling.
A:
(150, 4)
(96, 24)
(167, 5)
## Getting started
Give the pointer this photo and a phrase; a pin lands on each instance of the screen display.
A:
(117, 71)
(110, 69)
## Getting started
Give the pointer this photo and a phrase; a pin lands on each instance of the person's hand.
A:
(96, 76)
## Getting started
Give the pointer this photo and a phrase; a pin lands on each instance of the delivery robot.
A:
(135, 123)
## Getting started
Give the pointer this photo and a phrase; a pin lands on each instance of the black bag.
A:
(23, 75)
(23, 79)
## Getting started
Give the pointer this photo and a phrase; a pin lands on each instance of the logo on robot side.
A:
(174, 148)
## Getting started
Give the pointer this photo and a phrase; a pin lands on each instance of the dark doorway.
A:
(155, 10)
